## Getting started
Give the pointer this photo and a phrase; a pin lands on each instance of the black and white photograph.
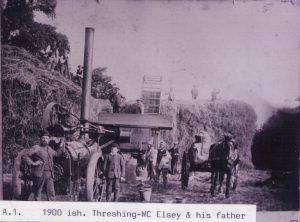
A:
(151, 101)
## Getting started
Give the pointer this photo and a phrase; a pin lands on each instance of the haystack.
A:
(211, 119)
(27, 87)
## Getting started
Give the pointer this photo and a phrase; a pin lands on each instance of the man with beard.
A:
(40, 157)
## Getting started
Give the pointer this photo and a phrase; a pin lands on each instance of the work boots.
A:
(108, 197)
(116, 196)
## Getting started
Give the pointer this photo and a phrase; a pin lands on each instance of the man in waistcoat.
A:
(40, 157)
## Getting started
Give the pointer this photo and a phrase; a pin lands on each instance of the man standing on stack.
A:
(140, 108)
(194, 92)
(114, 172)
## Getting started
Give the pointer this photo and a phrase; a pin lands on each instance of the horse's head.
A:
(227, 144)
(230, 152)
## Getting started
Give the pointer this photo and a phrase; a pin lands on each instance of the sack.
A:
(164, 163)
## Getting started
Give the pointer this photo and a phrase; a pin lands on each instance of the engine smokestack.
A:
(87, 75)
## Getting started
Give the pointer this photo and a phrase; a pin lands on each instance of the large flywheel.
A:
(54, 114)
(95, 181)
(58, 121)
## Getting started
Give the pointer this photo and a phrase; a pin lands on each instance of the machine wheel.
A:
(57, 119)
(95, 181)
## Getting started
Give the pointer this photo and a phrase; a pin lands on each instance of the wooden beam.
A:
(159, 122)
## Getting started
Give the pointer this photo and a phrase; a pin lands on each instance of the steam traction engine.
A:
(85, 142)
(80, 169)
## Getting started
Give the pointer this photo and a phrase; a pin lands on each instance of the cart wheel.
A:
(95, 182)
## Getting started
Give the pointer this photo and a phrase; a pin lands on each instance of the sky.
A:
(249, 50)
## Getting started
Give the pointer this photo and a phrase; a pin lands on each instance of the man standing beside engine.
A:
(114, 172)
(40, 157)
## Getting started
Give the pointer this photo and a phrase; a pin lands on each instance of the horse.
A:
(223, 159)
(234, 163)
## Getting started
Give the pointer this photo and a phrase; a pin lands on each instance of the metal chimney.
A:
(87, 76)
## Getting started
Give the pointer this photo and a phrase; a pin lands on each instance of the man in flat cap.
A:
(40, 157)
(114, 172)
(139, 106)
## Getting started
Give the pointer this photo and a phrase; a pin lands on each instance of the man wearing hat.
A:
(40, 157)
(151, 159)
(140, 106)
(161, 147)
(117, 100)
(114, 172)
(79, 75)
(164, 160)
(175, 157)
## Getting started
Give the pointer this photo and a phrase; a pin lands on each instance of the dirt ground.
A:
(247, 192)
(275, 198)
